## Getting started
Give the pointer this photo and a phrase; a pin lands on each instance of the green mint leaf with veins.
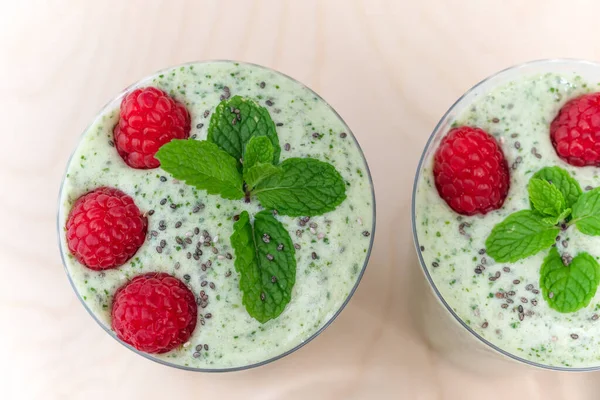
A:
(266, 263)
(569, 288)
(522, 234)
(586, 213)
(560, 217)
(545, 197)
(306, 187)
(203, 165)
(260, 172)
(563, 181)
(236, 121)
(258, 150)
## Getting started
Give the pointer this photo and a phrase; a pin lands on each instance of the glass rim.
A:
(148, 356)
(432, 284)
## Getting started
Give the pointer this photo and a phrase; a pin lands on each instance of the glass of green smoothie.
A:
(506, 219)
(216, 216)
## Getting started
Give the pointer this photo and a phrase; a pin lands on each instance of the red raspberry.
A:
(154, 313)
(105, 228)
(575, 132)
(471, 173)
(149, 118)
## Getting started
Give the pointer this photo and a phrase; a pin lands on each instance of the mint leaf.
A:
(555, 220)
(236, 121)
(203, 165)
(569, 288)
(307, 187)
(563, 181)
(545, 197)
(521, 234)
(267, 274)
(258, 149)
(258, 173)
(586, 212)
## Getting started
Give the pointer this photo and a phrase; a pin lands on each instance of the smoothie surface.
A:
(331, 249)
(504, 303)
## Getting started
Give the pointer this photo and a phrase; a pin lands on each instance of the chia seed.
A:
(516, 281)
(529, 287)
(434, 264)
(343, 135)
(178, 224)
(228, 256)
(266, 238)
(314, 255)
(186, 277)
(236, 217)
(287, 147)
(159, 249)
(484, 325)
(212, 285)
(594, 317)
(204, 283)
(208, 316)
(270, 257)
(506, 269)
(517, 145)
(262, 85)
(269, 103)
(574, 336)
(297, 246)
(366, 234)
(263, 296)
(215, 250)
(280, 247)
(163, 243)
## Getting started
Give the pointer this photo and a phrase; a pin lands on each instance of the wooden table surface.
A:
(390, 68)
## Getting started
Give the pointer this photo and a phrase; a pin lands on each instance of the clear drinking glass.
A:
(440, 324)
(113, 104)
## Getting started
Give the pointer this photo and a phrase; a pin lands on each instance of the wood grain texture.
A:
(390, 68)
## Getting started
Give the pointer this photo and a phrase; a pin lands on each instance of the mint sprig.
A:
(265, 260)
(586, 213)
(546, 198)
(239, 160)
(556, 198)
(259, 149)
(305, 187)
(521, 234)
(563, 181)
(569, 288)
(236, 121)
(216, 173)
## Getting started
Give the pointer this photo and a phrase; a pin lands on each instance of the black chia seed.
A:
(262, 85)
(159, 249)
(270, 257)
(297, 246)
(434, 264)
(204, 283)
(574, 336)
(484, 325)
(263, 296)
(506, 269)
(314, 255)
(208, 316)
(228, 256)
(343, 135)
(212, 285)
(178, 224)
(186, 277)
(266, 238)
(236, 217)
(280, 247)
(516, 281)
(273, 279)
(366, 233)
(163, 202)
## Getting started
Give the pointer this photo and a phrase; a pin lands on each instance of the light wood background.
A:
(391, 68)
